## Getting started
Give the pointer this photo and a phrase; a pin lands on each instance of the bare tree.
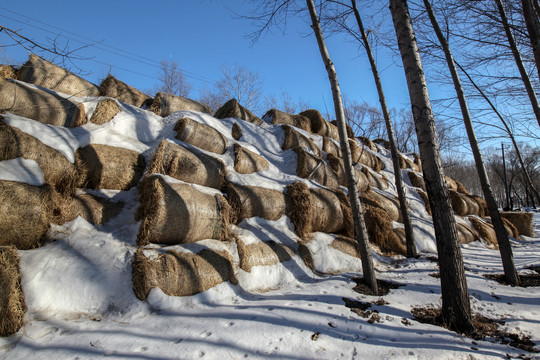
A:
(533, 28)
(242, 84)
(172, 80)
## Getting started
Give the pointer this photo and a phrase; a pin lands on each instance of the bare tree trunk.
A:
(502, 235)
(533, 28)
(360, 227)
(456, 309)
(409, 235)
(519, 62)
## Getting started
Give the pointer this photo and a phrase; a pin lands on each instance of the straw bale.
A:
(346, 245)
(181, 273)
(417, 163)
(319, 125)
(247, 162)
(43, 73)
(379, 228)
(108, 167)
(232, 109)
(384, 143)
(417, 180)
(12, 303)
(112, 87)
(58, 171)
(282, 118)
(7, 72)
(451, 184)
(177, 213)
(390, 205)
(378, 181)
(25, 214)
(523, 221)
(250, 201)
(464, 204)
(482, 205)
(348, 128)
(337, 165)
(484, 229)
(40, 105)
(262, 253)
(330, 147)
(466, 234)
(200, 135)
(510, 228)
(363, 156)
(425, 199)
(236, 131)
(330, 212)
(105, 111)
(316, 169)
(165, 104)
(293, 139)
(367, 142)
(300, 210)
(461, 188)
(306, 255)
(405, 162)
(187, 165)
(94, 209)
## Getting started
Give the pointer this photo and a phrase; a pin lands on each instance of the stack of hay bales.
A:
(232, 109)
(295, 139)
(319, 125)
(348, 128)
(112, 87)
(165, 104)
(47, 75)
(248, 162)
(276, 117)
(13, 305)
(200, 135)
(313, 168)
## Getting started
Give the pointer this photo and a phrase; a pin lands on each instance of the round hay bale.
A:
(108, 167)
(105, 111)
(58, 171)
(330, 147)
(319, 125)
(7, 72)
(251, 201)
(364, 157)
(378, 181)
(348, 128)
(94, 209)
(523, 221)
(417, 163)
(263, 253)
(43, 73)
(177, 213)
(232, 109)
(461, 188)
(40, 105)
(236, 131)
(282, 118)
(384, 143)
(451, 184)
(316, 169)
(247, 162)
(187, 165)
(484, 229)
(25, 214)
(464, 205)
(200, 135)
(179, 273)
(483, 210)
(306, 255)
(12, 303)
(346, 245)
(294, 139)
(330, 212)
(510, 228)
(165, 104)
(417, 180)
(390, 205)
(112, 87)
(405, 162)
(379, 228)
(425, 199)
(466, 234)
(337, 165)
(367, 142)
(300, 210)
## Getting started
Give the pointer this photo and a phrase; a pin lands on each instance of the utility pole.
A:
(505, 180)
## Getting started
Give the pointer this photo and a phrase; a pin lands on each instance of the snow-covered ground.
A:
(81, 304)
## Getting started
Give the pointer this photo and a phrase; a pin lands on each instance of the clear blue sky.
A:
(199, 36)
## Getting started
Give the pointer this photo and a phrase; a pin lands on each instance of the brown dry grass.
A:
(319, 125)
(416, 180)
(12, 303)
(425, 199)
(278, 117)
(7, 72)
(300, 208)
(363, 184)
(331, 147)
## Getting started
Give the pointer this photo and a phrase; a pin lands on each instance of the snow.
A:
(81, 303)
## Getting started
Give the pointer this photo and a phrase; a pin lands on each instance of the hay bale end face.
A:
(179, 273)
(300, 209)
(374, 179)
(232, 109)
(13, 305)
(316, 169)
(112, 87)
(177, 213)
(200, 135)
(425, 199)
(294, 139)
(346, 245)
(523, 221)
(187, 165)
(105, 111)
(248, 162)
(251, 201)
(466, 234)
(279, 117)
(379, 228)
(108, 167)
(7, 72)
(236, 131)
(367, 142)
(165, 104)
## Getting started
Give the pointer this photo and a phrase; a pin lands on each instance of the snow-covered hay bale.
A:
(301, 209)
(464, 205)
(177, 213)
(40, 105)
(94, 209)
(7, 72)
(375, 180)
(390, 205)
(368, 143)
(348, 128)
(165, 104)
(346, 245)
(58, 171)
(25, 214)
(279, 117)
(319, 125)
(248, 162)
(105, 111)
(294, 139)
(330, 212)
(416, 180)
(383, 142)
(112, 87)
(12, 304)
(523, 221)
(43, 73)
(451, 184)
(316, 169)
(331, 147)
(461, 188)
(405, 162)
(250, 201)
(466, 234)
(337, 165)
(483, 210)
(232, 109)
(236, 131)
(179, 273)
(262, 253)
(187, 165)
(510, 228)
(425, 199)
(363, 156)
(484, 229)
(108, 167)
(379, 228)
(417, 162)
(200, 135)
